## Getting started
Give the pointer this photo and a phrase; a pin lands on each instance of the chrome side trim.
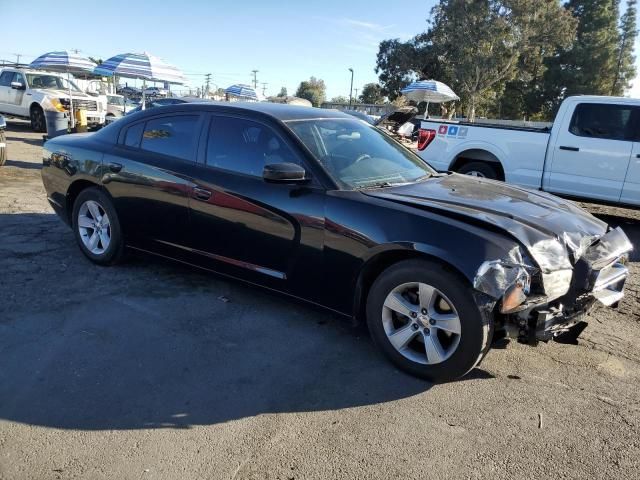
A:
(230, 261)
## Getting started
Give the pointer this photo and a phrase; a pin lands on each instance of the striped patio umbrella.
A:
(429, 91)
(242, 91)
(141, 66)
(64, 61)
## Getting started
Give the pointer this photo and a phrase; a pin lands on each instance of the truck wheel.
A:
(480, 169)
(426, 321)
(38, 122)
(3, 147)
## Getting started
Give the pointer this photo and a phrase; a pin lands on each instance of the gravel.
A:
(152, 370)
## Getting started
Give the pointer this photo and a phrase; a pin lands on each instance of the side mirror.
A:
(284, 173)
(17, 86)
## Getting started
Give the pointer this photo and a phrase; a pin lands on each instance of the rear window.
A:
(172, 135)
(604, 121)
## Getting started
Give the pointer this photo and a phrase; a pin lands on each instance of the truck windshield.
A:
(114, 100)
(358, 155)
(40, 80)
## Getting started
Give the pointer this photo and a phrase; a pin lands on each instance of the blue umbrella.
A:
(142, 66)
(242, 91)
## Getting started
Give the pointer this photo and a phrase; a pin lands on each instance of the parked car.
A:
(325, 208)
(163, 102)
(3, 141)
(155, 92)
(115, 105)
(591, 152)
(129, 91)
(36, 95)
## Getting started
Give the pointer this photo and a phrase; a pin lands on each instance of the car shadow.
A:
(22, 164)
(153, 344)
(37, 142)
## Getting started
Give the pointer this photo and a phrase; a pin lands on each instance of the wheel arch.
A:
(478, 153)
(34, 105)
(74, 190)
(380, 261)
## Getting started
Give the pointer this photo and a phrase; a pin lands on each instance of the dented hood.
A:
(555, 231)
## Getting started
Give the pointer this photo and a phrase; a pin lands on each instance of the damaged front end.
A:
(544, 292)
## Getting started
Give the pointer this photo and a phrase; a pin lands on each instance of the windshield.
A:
(38, 80)
(114, 100)
(358, 155)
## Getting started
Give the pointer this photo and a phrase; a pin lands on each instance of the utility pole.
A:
(208, 82)
(355, 97)
(255, 78)
(17, 58)
(351, 89)
(264, 88)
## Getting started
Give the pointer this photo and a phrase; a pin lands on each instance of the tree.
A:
(589, 65)
(96, 60)
(625, 69)
(395, 65)
(340, 99)
(313, 90)
(544, 26)
(283, 92)
(372, 93)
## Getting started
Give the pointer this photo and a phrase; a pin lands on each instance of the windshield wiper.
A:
(376, 185)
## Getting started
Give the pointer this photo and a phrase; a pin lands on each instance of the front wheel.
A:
(97, 228)
(426, 321)
(480, 169)
(38, 122)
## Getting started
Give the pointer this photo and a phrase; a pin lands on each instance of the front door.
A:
(631, 187)
(590, 158)
(269, 233)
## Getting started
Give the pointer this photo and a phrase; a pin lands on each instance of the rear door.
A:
(591, 156)
(149, 175)
(268, 233)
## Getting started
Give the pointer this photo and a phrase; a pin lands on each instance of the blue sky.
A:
(286, 41)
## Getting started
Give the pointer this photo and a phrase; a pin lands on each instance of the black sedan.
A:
(325, 208)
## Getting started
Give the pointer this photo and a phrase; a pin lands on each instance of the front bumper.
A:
(599, 275)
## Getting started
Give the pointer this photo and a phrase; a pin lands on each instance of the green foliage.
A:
(283, 92)
(517, 58)
(313, 90)
(340, 99)
(371, 93)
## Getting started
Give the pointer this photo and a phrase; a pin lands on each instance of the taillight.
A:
(425, 137)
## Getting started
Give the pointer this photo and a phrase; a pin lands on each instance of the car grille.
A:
(90, 105)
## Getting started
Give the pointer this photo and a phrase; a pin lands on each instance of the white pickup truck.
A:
(591, 152)
(39, 96)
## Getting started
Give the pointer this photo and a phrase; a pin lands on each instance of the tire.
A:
(480, 169)
(38, 121)
(109, 241)
(3, 150)
(454, 354)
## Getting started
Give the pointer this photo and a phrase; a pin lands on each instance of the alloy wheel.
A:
(94, 227)
(421, 323)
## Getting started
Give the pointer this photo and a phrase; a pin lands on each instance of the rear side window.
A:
(605, 121)
(172, 135)
(134, 135)
(244, 146)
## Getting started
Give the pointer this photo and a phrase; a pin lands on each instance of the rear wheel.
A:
(480, 169)
(425, 320)
(97, 228)
(3, 148)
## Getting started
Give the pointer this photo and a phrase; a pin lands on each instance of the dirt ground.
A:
(152, 370)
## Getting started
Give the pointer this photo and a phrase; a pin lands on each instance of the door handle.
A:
(570, 149)
(201, 193)
(637, 155)
(115, 167)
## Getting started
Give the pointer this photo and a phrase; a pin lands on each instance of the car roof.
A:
(278, 111)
